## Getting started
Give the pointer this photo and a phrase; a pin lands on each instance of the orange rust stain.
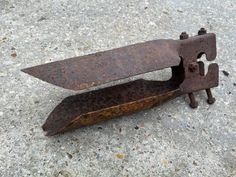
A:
(120, 156)
(94, 117)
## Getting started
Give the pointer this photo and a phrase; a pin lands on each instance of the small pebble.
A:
(180, 11)
(14, 54)
(41, 19)
(225, 73)
(36, 101)
(69, 155)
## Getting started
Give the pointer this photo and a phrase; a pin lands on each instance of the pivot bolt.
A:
(193, 101)
(202, 31)
(183, 36)
(210, 99)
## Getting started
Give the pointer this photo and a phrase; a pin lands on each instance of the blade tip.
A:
(25, 70)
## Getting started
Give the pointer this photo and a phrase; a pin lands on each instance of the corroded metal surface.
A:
(97, 106)
(86, 71)
(190, 50)
(92, 107)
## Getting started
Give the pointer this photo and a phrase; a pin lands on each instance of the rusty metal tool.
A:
(83, 72)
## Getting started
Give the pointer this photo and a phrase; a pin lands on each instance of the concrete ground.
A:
(170, 140)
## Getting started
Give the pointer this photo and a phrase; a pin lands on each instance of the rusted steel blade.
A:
(97, 106)
(86, 71)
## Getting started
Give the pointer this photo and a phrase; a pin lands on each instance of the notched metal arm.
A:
(191, 50)
(95, 69)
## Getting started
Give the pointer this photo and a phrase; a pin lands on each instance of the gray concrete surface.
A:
(171, 140)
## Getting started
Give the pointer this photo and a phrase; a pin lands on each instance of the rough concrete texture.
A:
(170, 140)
